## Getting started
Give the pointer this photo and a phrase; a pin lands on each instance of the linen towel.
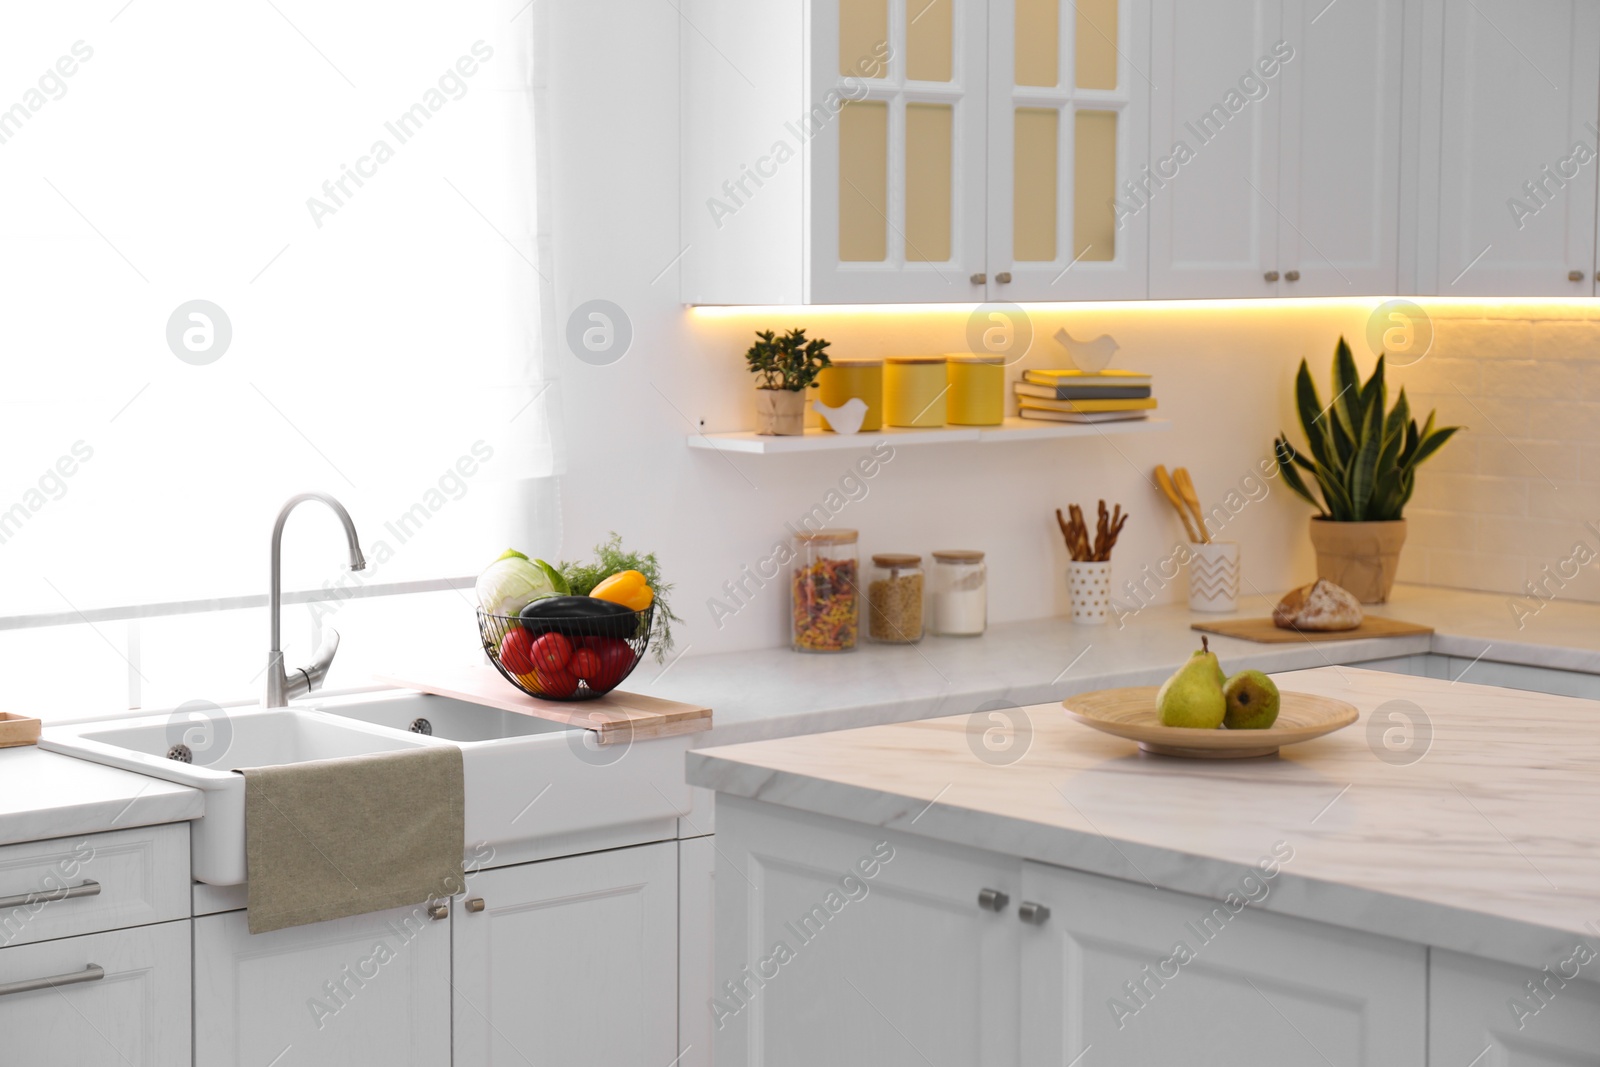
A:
(338, 837)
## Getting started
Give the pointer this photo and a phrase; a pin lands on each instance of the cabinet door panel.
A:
(1483, 1011)
(368, 989)
(1213, 149)
(571, 961)
(697, 883)
(1339, 186)
(818, 964)
(1521, 93)
(1069, 119)
(136, 1015)
(1257, 989)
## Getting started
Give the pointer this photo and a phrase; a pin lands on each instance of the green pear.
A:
(1193, 697)
(1253, 701)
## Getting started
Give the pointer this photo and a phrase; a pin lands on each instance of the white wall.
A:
(1223, 375)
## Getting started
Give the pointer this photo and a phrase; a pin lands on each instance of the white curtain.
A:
(350, 193)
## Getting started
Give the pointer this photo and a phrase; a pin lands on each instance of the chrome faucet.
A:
(281, 687)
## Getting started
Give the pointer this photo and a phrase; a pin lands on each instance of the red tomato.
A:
(552, 651)
(585, 664)
(616, 659)
(556, 683)
(516, 651)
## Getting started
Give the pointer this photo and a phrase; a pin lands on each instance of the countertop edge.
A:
(97, 817)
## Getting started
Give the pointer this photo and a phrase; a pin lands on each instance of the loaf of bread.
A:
(1320, 606)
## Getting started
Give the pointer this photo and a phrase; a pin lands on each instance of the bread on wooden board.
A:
(1321, 606)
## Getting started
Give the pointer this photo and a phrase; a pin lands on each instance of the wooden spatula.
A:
(1185, 484)
(1164, 481)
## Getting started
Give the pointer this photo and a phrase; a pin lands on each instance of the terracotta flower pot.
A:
(780, 412)
(1360, 556)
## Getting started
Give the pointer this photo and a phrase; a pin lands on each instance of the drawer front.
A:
(81, 885)
(118, 999)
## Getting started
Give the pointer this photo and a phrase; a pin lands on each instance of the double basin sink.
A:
(531, 784)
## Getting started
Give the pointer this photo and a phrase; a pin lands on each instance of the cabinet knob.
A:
(1575, 275)
(1292, 276)
(992, 900)
(1271, 276)
(1003, 277)
(979, 279)
(1029, 912)
(439, 911)
(474, 904)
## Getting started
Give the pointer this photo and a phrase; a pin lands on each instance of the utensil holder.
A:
(1214, 576)
(1089, 586)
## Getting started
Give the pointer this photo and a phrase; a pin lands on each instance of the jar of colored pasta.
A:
(824, 591)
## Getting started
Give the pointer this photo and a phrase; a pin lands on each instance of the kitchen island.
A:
(1422, 887)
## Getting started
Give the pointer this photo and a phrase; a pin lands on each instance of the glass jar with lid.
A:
(894, 599)
(960, 593)
(824, 591)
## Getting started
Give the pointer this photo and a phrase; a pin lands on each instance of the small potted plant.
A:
(784, 368)
(1364, 459)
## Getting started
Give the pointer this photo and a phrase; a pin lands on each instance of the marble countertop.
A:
(771, 693)
(45, 795)
(1479, 837)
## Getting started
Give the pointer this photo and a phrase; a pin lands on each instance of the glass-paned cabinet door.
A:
(1069, 93)
(896, 143)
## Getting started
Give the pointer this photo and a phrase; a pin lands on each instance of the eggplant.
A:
(579, 616)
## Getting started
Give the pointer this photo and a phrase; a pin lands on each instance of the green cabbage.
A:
(511, 583)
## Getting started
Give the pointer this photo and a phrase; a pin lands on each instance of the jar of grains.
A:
(960, 593)
(824, 591)
(894, 599)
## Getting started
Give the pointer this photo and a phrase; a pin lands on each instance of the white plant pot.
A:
(1214, 576)
(1089, 585)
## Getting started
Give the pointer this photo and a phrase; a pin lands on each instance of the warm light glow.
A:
(1488, 307)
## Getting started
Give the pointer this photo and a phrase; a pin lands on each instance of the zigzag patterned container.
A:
(1214, 576)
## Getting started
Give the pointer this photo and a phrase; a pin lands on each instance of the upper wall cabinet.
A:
(1510, 147)
(882, 151)
(1275, 148)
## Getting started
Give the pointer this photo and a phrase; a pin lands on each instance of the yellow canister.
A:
(977, 394)
(843, 379)
(914, 391)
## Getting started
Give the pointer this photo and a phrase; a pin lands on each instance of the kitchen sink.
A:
(534, 788)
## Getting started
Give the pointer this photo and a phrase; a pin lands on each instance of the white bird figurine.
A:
(846, 418)
(1091, 357)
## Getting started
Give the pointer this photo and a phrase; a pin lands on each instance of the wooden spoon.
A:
(1164, 481)
(1185, 486)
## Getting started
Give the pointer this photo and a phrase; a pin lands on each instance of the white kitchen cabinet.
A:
(697, 885)
(570, 961)
(113, 999)
(367, 989)
(1512, 146)
(1485, 1012)
(1275, 148)
(1249, 988)
(838, 943)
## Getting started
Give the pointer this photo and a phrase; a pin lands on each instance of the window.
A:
(247, 251)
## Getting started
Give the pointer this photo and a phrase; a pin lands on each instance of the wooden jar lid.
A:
(832, 536)
(915, 359)
(896, 559)
(958, 555)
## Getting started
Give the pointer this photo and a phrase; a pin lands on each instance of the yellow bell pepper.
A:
(627, 588)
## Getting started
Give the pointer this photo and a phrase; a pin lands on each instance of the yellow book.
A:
(1078, 377)
(1037, 404)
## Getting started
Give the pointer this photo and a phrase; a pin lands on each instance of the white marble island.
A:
(1386, 895)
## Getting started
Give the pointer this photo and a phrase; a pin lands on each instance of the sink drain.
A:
(421, 726)
(181, 753)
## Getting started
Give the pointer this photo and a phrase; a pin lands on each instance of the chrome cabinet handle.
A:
(26, 900)
(474, 904)
(439, 911)
(1271, 276)
(1292, 276)
(979, 279)
(1003, 277)
(1029, 912)
(1575, 275)
(92, 973)
(992, 900)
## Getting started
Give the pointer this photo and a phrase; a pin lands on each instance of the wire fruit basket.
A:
(566, 659)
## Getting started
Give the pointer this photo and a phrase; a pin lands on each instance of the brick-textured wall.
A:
(1509, 501)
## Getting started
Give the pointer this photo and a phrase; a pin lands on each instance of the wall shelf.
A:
(1013, 429)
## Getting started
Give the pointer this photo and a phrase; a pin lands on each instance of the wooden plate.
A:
(1131, 713)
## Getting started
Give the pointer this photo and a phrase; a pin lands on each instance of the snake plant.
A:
(1364, 459)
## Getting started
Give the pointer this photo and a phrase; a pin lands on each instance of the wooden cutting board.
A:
(615, 718)
(1264, 632)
